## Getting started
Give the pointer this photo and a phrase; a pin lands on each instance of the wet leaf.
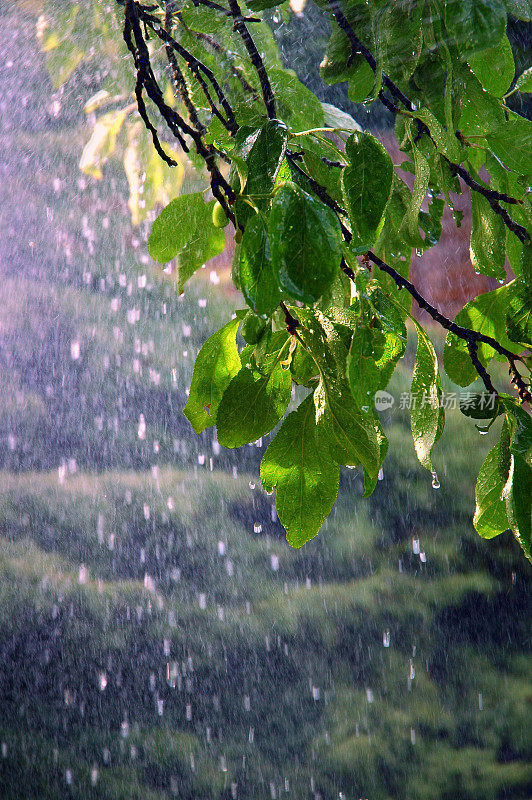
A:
(426, 392)
(298, 465)
(488, 240)
(305, 243)
(256, 277)
(216, 364)
(350, 432)
(252, 405)
(367, 186)
(495, 67)
(184, 229)
(490, 512)
(475, 24)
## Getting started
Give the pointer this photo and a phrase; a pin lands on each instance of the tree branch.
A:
(196, 67)
(219, 50)
(179, 79)
(239, 25)
(466, 334)
(146, 81)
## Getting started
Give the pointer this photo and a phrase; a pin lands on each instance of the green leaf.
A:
(305, 243)
(520, 426)
(216, 364)
(401, 38)
(481, 112)
(371, 482)
(445, 141)
(340, 64)
(490, 517)
(390, 315)
(303, 367)
(525, 265)
(361, 81)
(518, 493)
(253, 328)
(298, 465)
(485, 314)
(475, 24)
(184, 229)
(367, 186)
(495, 67)
(252, 404)
(519, 314)
(480, 406)
(426, 393)
(421, 185)
(255, 269)
(336, 118)
(524, 81)
(297, 105)
(350, 433)
(512, 143)
(265, 158)
(262, 5)
(363, 374)
(488, 239)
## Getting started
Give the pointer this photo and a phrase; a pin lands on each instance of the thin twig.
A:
(316, 187)
(239, 25)
(196, 67)
(470, 336)
(179, 78)
(480, 368)
(222, 51)
(146, 80)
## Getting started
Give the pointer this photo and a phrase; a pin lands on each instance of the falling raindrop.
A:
(435, 481)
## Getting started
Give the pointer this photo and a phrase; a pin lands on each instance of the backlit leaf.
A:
(184, 229)
(216, 365)
(298, 465)
(426, 393)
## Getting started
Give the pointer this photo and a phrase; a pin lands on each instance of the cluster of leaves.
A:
(326, 225)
